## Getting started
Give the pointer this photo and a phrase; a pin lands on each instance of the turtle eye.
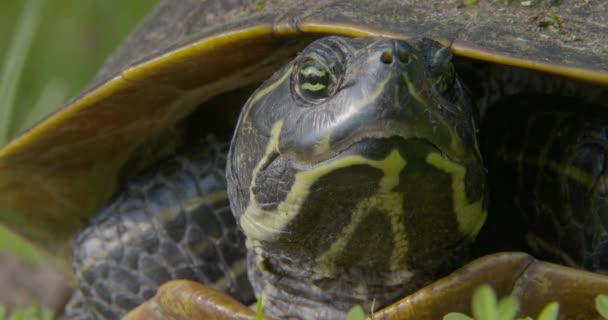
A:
(314, 80)
(439, 62)
(445, 79)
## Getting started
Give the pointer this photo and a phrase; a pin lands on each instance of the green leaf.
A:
(484, 303)
(549, 312)
(507, 308)
(355, 313)
(601, 305)
(456, 316)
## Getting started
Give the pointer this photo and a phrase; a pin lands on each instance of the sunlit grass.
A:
(52, 49)
(259, 312)
(10, 76)
(33, 312)
(10, 242)
(13, 64)
(74, 38)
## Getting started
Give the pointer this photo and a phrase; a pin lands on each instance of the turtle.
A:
(326, 154)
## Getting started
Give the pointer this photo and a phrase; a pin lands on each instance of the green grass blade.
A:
(12, 243)
(32, 312)
(54, 93)
(259, 315)
(14, 62)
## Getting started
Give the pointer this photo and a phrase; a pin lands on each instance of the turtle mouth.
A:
(373, 145)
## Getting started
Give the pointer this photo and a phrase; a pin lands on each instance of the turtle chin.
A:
(375, 221)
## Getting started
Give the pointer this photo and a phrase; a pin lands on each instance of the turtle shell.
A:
(186, 52)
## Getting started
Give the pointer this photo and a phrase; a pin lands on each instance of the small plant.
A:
(33, 312)
(601, 305)
(355, 313)
(485, 307)
(258, 309)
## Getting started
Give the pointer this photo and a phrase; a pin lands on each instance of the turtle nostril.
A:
(387, 57)
(399, 53)
(404, 57)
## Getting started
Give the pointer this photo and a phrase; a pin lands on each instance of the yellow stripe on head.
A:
(470, 216)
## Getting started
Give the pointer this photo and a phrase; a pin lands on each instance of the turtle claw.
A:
(535, 283)
(188, 300)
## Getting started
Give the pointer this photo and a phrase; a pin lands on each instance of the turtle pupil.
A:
(314, 80)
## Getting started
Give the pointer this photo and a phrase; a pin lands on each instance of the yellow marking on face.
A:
(385, 201)
(412, 89)
(264, 225)
(262, 93)
(456, 145)
(250, 220)
(470, 216)
(272, 147)
(380, 89)
(437, 54)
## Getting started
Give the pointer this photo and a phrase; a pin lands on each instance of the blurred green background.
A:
(70, 41)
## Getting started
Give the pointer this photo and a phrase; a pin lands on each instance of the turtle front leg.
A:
(535, 283)
(172, 223)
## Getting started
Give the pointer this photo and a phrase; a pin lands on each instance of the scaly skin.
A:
(533, 282)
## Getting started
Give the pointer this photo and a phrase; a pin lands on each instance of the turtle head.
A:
(357, 162)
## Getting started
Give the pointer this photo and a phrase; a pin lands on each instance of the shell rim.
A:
(141, 70)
